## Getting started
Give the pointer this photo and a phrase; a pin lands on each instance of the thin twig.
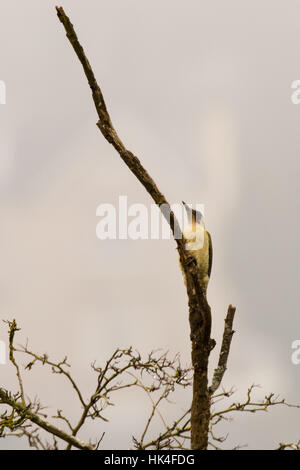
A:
(199, 309)
(12, 329)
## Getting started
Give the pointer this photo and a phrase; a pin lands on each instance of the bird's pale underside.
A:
(198, 245)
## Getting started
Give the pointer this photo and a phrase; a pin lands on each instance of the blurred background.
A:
(201, 92)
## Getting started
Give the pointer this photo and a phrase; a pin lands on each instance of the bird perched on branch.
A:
(198, 244)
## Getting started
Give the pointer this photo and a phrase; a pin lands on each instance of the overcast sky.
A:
(201, 92)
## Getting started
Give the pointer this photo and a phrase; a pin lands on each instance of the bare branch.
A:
(25, 413)
(224, 353)
(252, 406)
(106, 127)
(57, 368)
(289, 445)
(12, 330)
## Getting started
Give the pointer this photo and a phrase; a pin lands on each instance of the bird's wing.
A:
(210, 254)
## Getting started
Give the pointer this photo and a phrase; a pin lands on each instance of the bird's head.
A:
(193, 215)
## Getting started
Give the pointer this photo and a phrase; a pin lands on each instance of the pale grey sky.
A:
(201, 92)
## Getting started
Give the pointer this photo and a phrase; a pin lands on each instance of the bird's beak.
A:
(187, 208)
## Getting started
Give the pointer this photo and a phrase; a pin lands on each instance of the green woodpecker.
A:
(198, 244)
